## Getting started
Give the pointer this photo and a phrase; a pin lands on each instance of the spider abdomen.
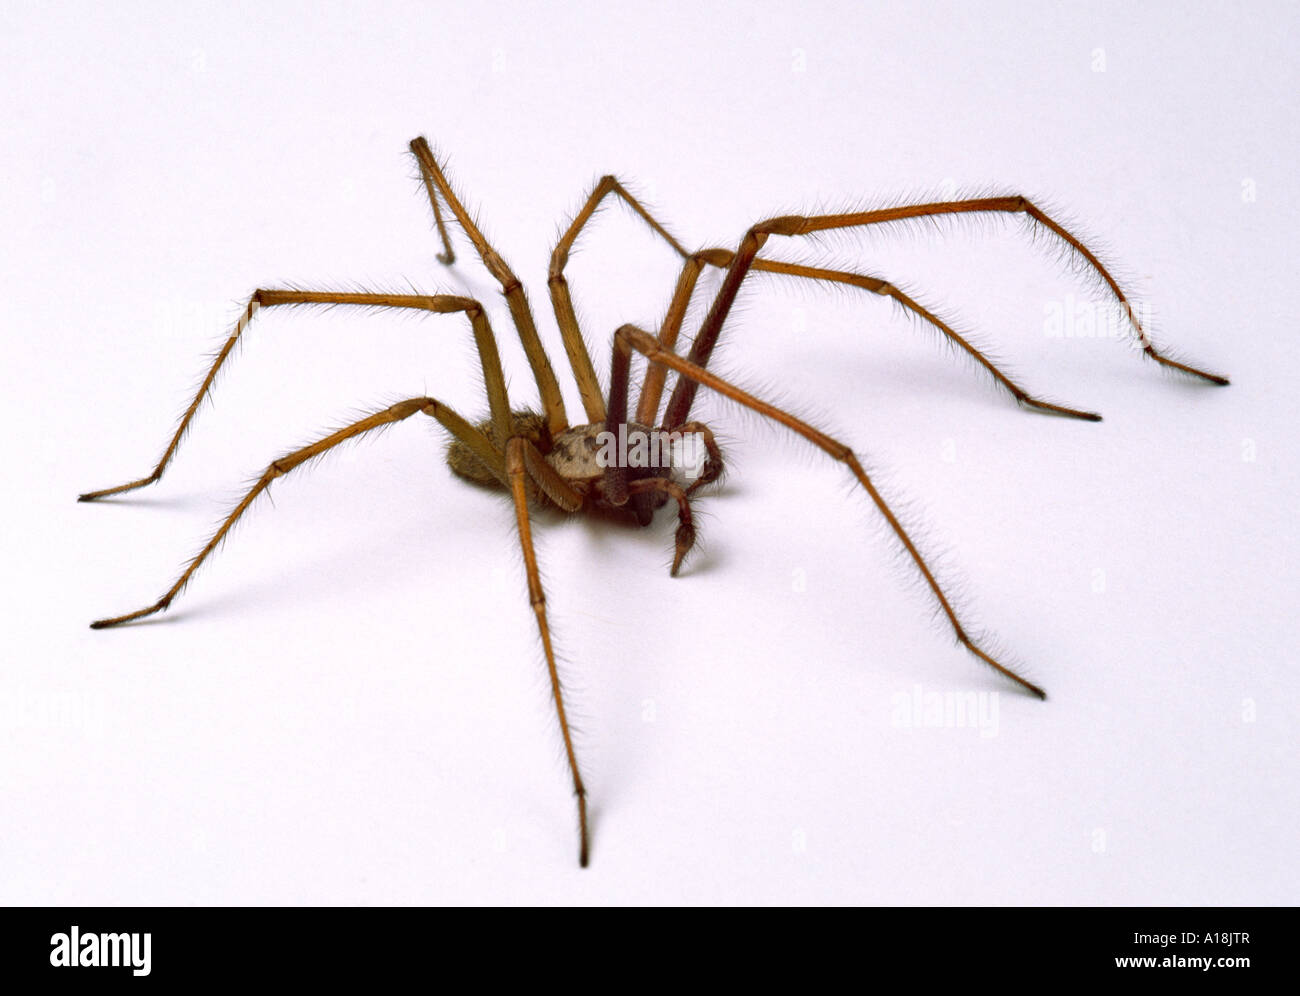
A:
(465, 463)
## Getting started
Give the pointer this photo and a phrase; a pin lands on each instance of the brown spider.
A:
(539, 456)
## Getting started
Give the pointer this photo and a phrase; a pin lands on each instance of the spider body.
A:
(615, 462)
(583, 456)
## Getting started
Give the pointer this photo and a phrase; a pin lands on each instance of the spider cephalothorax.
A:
(539, 457)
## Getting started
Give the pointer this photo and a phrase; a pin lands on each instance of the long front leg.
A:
(454, 423)
(679, 404)
(652, 390)
(518, 458)
(886, 289)
(646, 344)
(562, 302)
(437, 185)
(484, 341)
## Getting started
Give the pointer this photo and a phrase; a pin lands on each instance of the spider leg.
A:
(886, 289)
(438, 303)
(562, 302)
(679, 404)
(548, 387)
(522, 462)
(616, 485)
(653, 385)
(629, 337)
(396, 413)
(547, 479)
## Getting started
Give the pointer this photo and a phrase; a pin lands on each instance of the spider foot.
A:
(1050, 409)
(583, 842)
(129, 617)
(1205, 375)
(95, 495)
(1024, 683)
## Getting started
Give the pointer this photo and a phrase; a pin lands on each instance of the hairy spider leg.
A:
(562, 303)
(523, 461)
(652, 385)
(439, 303)
(453, 422)
(693, 263)
(547, 386)
(696, 374)
(683, 395)
(652, 391)
(875, 285)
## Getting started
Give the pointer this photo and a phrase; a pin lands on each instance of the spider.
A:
(541, 459)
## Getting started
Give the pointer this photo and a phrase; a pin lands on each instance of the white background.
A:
(348, 704)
